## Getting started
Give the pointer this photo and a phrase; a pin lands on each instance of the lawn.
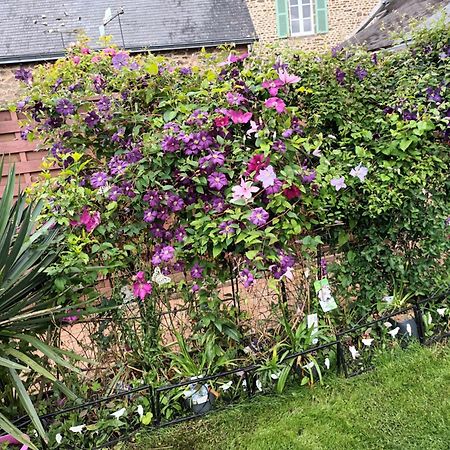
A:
(403, 404)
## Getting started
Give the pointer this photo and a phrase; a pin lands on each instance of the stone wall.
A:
(9, 86)
(344, 17)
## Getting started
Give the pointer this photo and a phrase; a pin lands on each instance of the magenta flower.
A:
(272, 86)
(98, 179)
(141, 287)
(90, 220)
(221, 121)
(247, 278)
(360, 172)
(286, 78)
(217, 180)
(267, 177)
(256, 163)
(259, 217)
(244, 190)
(197, 271)
(239, 116)
(338, 183)
(275, 103)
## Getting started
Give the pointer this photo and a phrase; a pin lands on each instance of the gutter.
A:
(52, 56)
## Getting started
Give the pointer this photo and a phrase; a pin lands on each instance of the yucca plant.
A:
(27, 307)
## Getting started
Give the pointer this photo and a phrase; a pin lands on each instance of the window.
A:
(301, 16)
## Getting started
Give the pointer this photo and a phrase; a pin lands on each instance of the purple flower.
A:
(227, 227)
(338, 183)
(128, 189)
(104, 104)
(247, 278)
(175, 202)
(374, 59)
(115, 193)
(152, 197)
(259, 217)
(98, 179)
(360, 73)
(178, 266)
(359, 171)
(217, 180)
(118, 135)
(92, 119)
(309, 177)
(64, 107)
(156, 258)
(197, 271)
(409, 115)
(180, 234)
(150, 215)
(447, 221)
(195, 287)
(120, 60)
(217, 158)
(117, 165)
(167, 253)
(275, 188)
(340, 75)
(279, 146)
(288, 133)
(24, 75)
(235, 98)
(170, 144)
(336, 50)
(434, 95)
(186, 71)
(133, 156)
(218, 205)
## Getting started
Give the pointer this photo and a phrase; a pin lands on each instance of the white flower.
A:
(58, 438)
(275, 376)
(288, 274)
(119, 413)
(367, 342)
(430, 319)
(140, 410)
(388, 324)
(394, 332)
(307, 272)
(441, 311)
(408, 329)
(77, 429)
(327, 363)
(226, 386)
(259, 385)
(354, 352)
(310, 365)
(244, 384)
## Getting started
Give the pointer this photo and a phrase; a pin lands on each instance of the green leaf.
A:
(405, 143)
(11, 364)
(169, 116)
(147, 418)
(7, 426)
(27, 404)
(152, 68)
(251, 254)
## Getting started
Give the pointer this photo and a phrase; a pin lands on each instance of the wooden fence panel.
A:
(19, 152)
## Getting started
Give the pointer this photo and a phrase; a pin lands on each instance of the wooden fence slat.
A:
(17, 146)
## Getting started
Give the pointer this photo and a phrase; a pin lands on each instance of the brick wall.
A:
(344, 17)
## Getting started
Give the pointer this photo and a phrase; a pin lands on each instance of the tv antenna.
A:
(109, 17)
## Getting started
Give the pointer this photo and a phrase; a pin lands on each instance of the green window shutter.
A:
(321, 16)
(282, 10)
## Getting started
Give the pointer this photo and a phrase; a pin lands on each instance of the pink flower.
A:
(221, 121)
(272, 86)
(267, 177)
(96, 59)
(338, 183)
(85, 51)
(141, 287)
(254, 128)
(256, 163)
(109, 51)
(286, 78)
(76, 59)
(90, 220)
(276, 103)
(238, 116)
(233, 58)
(243, 191)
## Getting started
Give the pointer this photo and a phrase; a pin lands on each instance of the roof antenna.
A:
(109, 17)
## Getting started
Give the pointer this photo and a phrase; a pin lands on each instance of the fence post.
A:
(157, 408)
(418, 317)
(340, 358)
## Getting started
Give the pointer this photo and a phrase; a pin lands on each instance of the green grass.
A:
(403, 404)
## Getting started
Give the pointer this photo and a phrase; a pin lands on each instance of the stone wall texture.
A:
(9, 86)
(344, 17)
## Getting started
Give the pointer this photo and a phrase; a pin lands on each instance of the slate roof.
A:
(393, 16)
(36, 30)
